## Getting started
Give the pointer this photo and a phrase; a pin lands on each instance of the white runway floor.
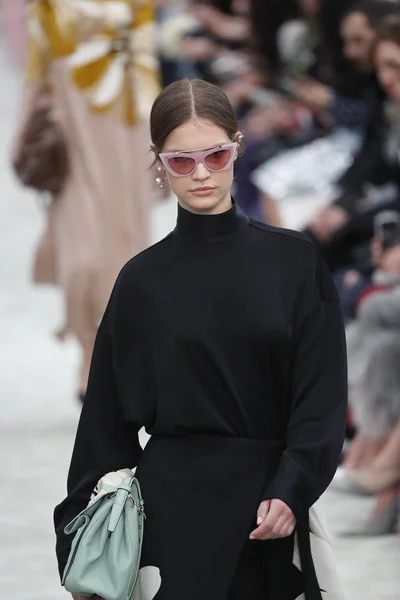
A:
(39, 412)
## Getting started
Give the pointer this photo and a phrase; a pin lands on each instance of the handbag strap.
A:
(129, 487)
(123, 492)
(76, 523)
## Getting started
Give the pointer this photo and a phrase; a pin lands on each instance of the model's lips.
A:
(203, 189)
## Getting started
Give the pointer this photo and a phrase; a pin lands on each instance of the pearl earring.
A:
(159, 180)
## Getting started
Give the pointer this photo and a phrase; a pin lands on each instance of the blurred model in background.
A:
(94, 63)
(13, 23)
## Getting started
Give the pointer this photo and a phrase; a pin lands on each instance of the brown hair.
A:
(375, 11)
(389, 31)
(187, 98)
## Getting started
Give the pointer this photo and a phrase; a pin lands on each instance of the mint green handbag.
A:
(105, 553)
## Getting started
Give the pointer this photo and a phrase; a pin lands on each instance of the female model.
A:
(225, 341)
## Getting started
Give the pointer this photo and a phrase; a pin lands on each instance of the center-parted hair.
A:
(187, 98)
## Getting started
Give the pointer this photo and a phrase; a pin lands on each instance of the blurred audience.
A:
(372, 182)
(372, 462)
(353, 105)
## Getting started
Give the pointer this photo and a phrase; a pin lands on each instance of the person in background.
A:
(13, 13)
(101, 216)
(374, 349)
(321, 93)
(359, 29)
(344, 229)
(372, 461)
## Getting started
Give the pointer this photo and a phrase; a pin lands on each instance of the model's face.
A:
(358, 37)
(203, 191)
(387, 60)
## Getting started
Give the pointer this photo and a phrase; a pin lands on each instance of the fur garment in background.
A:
(373, 342)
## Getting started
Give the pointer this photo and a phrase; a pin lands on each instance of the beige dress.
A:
(101, 218)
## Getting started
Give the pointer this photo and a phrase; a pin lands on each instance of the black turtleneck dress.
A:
(225, 341)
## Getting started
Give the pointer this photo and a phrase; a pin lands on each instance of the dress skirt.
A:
(201, 496)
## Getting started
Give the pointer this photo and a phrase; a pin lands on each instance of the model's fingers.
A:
(278, 516)
(278, 527)
(263, 510)
(281, 530)
(261, 515)
(287, 529)
(267, 524)
(278, 510)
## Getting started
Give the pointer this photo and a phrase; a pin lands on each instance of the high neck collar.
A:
(209, 228)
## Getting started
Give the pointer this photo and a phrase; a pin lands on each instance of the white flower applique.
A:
(118, 68)
(148, 585)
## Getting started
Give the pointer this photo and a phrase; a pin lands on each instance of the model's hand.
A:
(275, 520)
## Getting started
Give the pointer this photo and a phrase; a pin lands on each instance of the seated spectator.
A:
(202, 33)
(372, 183)
(374, 395)
(172, 22)
(314, 168)
(321, 92)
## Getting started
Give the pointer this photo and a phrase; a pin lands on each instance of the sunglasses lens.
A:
(182, 165)
(218, 159)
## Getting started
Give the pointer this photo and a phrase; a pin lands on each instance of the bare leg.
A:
(362, 451)
(384, 500)
(384, 472)
(390, 454)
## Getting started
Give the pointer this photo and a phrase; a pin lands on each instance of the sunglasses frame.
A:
(199, 157)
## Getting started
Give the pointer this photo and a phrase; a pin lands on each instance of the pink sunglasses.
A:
(181, 164)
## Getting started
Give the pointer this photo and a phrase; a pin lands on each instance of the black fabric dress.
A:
(225, 341)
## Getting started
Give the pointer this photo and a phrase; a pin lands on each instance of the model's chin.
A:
(203, 202)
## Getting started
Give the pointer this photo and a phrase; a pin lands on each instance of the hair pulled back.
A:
(187, 98)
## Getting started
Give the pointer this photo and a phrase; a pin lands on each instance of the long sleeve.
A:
(105, 440)
(316, 426)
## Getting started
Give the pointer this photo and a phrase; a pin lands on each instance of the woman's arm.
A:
(316, 424)
(105, 440)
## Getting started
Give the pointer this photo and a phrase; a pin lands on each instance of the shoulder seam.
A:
(281, 231)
